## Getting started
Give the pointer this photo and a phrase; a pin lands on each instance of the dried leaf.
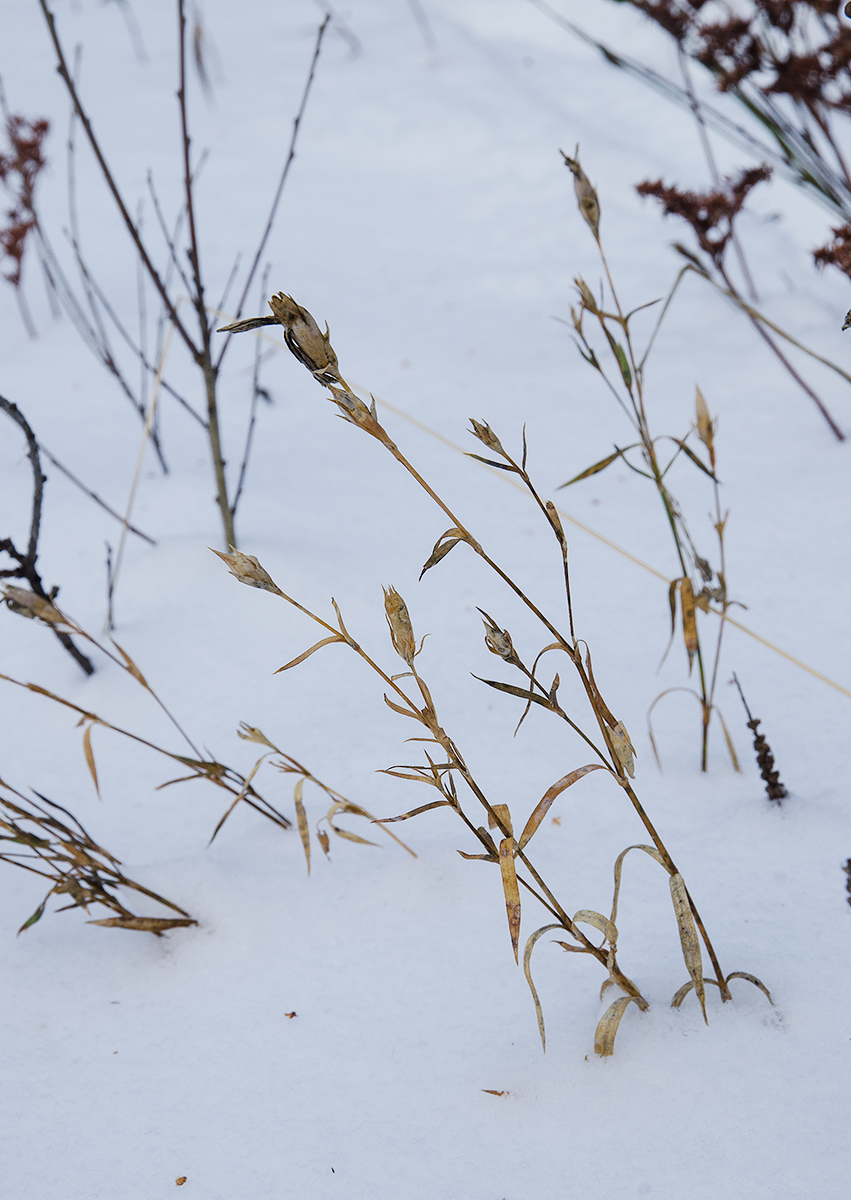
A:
(586, 195)
(501, 813)
(131, 666)
(527, 959)
(623, 363)
(324, 841)
(751, 979)
(37, 915)
(589, 471)
(155, 925)
(511, 888)
(689, 453)
(302, 820)
(404, 712)
(415, 812)
(90, 758)
(651, 850)
(494, 1092)
(522, 693)
(689, 619)
(587, 916)
(688, 937)
(444, 544)
(543, 807)
(704, 422)
(604, 1038)
(682, 992)
(335, 637)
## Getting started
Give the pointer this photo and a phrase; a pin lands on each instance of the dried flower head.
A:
(401, 630)
(586, 194)
(498, 641)
(486, 436)
(29, 604)
(19, 170)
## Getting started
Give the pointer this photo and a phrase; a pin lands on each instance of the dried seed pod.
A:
(623, 748)
(765, 759)
(247, 570)
(29, 604)
(401, 630)
(586, 194)
(486, 435)
(498, 641)
(305, 339)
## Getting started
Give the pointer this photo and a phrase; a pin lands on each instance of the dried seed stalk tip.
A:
(247, 569)
(586, 194)
(305, 339)
(486, 435)
(401, 630)
(498, 641)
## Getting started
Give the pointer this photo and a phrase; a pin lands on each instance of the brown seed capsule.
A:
(586, 194)
(486, 435)
(305, 339)
(498, 641)
(247, 570)
(401, 630)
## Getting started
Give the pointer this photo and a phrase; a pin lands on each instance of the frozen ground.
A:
(429, 219)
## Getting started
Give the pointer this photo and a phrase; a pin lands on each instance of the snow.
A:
(430, 220)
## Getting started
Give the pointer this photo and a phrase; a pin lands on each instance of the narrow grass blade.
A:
(651, 850)
(688, 938)
(37, 915)
(131, 666)
(594, 470)
(587, 916)
(415, 812)
(682, 992)
(604, 1038)
(689, 619)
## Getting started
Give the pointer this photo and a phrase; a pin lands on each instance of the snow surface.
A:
(429, 219)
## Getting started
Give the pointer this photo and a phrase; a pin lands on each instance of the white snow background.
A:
(430, 220)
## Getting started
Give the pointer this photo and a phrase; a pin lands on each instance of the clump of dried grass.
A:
(699, 586)
(501, 841)
(63, 852)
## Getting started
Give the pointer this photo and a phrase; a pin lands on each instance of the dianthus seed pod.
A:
(305, 339)
(401, 630)
(586, 194)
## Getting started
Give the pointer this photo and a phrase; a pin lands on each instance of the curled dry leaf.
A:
(527, 970)
(604, 1038)
(682, 992)
(335, 637)
(546, 801)
(750, 979)
(587, 916)
(651, 850)
(248, 570)
(689, 939)
(446, 542)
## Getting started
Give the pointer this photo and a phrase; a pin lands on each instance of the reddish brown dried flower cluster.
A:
(710, 214)
(779, 40)
(19, 170)
(838, 252)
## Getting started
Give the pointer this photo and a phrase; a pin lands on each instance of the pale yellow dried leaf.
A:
(302, 820)
(704, 421)
(689, 619)
(144, 924)
(689, 939)
(543, 806)
(587, 916)
(527, 960)
(750, 979)
(501, 812)
(131, 666)
(604, 1038)
(90, 758)
(250, 733)
(651, 850)
(511, 888)
(335, 637)
(399, 622)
